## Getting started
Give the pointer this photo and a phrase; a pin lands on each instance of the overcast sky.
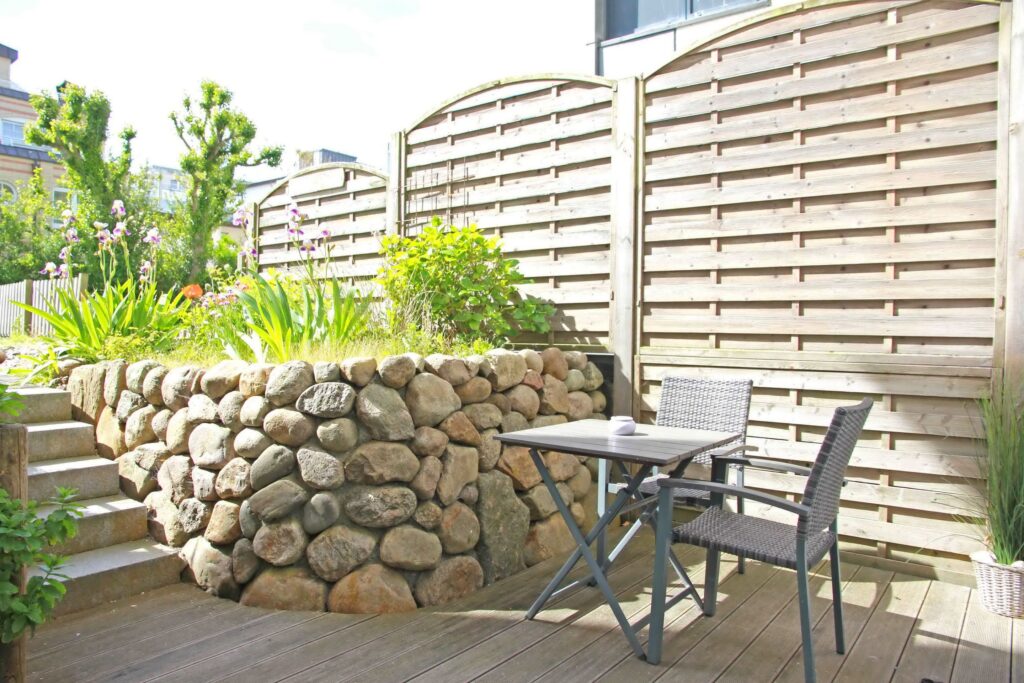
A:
(341, 74)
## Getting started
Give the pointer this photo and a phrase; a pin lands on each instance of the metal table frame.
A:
(628, 498)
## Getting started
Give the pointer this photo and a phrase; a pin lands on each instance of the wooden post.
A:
(394, 211)
(1012, 78)
(27, 323)
(623, 242)
(14, 480)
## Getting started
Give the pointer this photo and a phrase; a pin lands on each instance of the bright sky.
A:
(340, 74)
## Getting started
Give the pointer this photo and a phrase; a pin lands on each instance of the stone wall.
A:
(352, 486)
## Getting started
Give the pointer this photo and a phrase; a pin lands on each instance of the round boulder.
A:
(289, 427)
(384, 414)
(287, 382)
(280, 543)
(379, 462)
(328, 400)
(373, 589)
(379, 507)
(339, 550)
(409, 548)
(430, 399)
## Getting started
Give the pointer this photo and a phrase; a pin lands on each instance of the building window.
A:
(625, 17)
(63, 198)
(8, 193)
(13, 132)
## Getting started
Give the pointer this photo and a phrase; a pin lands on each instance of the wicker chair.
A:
(695, 403)
(796, 547)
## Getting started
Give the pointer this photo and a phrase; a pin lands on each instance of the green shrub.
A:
(24, 536)
(10, 403)
(456, 282)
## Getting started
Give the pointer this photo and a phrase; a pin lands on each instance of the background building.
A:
(637, 36)
(18, 159)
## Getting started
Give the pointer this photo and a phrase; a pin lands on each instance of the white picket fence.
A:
(36, 293)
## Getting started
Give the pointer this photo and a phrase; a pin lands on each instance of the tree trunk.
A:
(13, 661)
(14, 480)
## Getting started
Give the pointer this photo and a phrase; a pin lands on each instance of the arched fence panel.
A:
(344, 209)
(819, 213)
(528, 160)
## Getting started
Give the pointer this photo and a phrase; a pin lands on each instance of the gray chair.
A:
(796, 547)
(697, 403)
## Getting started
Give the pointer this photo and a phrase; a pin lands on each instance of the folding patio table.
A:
(649, 447)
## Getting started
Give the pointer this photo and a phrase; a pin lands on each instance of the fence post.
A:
(623, 241)
(27, 324)
(14, 480)
(394, 210)
(1012, 177)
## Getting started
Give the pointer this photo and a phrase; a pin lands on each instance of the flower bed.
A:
(355, 486)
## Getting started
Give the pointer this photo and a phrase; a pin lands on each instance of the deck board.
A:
(898, 627)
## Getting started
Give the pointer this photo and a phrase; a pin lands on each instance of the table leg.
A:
(621, 499)
(584, 550)
(602, 505)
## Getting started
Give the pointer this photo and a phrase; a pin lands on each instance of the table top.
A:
(650, 444)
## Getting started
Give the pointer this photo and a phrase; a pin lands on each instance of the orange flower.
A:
(192, 291)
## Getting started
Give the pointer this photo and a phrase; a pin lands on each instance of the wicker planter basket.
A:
(1001, 586)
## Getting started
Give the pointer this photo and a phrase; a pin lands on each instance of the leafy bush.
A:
(10, 403)
(456, 282)
(24, 536)
(1003, 416)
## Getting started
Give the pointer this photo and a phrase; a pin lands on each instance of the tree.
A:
(27, 239)
(217, 141)
(75, 125)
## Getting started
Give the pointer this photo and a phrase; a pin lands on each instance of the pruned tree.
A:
(217, 141)
(75, 125)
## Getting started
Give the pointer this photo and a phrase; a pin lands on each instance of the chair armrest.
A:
(738, 491)
(726, 451)
(761, 463)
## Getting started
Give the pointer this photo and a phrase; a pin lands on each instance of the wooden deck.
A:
(898, 628)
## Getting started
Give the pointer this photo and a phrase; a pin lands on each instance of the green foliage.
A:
(217, 140)
(278, 328)
(10, 403)
(24, 536)
(1003, 416)
(225, 254)
(75, 124)
(27, 240)
(87, 326)
(456, 282)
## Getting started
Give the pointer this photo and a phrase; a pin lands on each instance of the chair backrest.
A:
(696, 403)
(823, 487)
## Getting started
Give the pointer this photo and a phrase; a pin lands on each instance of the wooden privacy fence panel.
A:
(530, 161)
(345, 200)
(35, 293)
(819, 213)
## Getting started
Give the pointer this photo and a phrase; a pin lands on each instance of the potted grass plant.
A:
(1000, 568)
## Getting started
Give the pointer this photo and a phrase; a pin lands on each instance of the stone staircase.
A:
(112, 556)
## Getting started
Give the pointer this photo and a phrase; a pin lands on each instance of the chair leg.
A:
(803, 593)
(837, 598)
(741, 563)
(711, 583)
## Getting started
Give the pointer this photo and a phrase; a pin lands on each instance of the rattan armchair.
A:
(796, 547)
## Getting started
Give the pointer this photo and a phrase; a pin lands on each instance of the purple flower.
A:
(152, 237)
(146, 268)
(71, 236)
(104, 238)
(64, 254)
(307, 247)
(294, 231)
(49, 269)
(117, 209)
(62, 271)
(324, 233)
(241, 217)
(120, 230)
(67, 217)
